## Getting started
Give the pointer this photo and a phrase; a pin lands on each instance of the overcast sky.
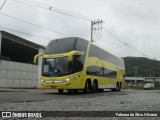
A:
(136, 22)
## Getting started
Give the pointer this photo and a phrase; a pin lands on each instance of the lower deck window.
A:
(98, 71)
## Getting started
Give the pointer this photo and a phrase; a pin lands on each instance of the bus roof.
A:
(68, 44)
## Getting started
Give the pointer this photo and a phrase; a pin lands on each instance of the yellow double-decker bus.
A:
(75, 64)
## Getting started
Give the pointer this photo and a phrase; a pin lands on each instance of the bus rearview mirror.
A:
(36, 58)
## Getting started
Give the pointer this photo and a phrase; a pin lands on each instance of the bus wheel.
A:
(60, 91)
(69, 91)
(95, 86)
(120, 86)
(86, 87)
(75, 91)
(101, 90)
(117, 87)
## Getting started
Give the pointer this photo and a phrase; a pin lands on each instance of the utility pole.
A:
(93, 23)
(3, 4)
(150, 71)
(146, 72)
(153, 70)
(135, 68)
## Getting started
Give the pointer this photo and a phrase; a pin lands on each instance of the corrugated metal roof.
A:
(20, 40)
(134, 78)
(143, 78)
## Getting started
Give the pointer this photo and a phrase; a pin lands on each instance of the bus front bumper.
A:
(65, 85)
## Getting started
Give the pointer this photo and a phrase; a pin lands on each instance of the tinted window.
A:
(110, 73)
(98, 71)
(55, 67)
(96, 51)
(94, 70)
(77, 64)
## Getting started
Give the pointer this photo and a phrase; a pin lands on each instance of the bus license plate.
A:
(53, 86)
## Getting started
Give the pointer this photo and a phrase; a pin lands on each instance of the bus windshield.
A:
(56, 67)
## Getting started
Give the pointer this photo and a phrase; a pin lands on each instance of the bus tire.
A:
(113, 90)
(117, 87)
(120, 86)
(95, 86)
(75, 91)
(69, 91)
(60, 91)
(101, 90)
(85, 90)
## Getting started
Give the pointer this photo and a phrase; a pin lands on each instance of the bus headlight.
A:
(59, 81)
(68, 79)
(65, 80)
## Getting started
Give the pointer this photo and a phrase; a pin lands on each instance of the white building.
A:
(16, 62)
(140, 81)
(135, 81)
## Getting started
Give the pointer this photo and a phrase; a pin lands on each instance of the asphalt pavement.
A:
(51, 100)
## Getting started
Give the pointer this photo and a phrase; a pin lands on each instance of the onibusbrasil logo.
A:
(21, 115)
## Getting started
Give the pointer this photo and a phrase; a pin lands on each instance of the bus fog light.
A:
(67, 80)
(42, 80)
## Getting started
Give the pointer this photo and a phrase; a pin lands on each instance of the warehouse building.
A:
(134, 81)
(140, 81)
(17, 69)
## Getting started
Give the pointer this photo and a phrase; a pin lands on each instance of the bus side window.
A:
(78, 66)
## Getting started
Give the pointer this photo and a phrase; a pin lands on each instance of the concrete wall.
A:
(0, 42)
(18, 75)
(41, 51)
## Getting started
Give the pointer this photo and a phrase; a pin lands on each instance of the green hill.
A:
(143, 64)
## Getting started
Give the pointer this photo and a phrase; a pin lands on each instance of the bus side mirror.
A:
(36, 58)
(70, 57)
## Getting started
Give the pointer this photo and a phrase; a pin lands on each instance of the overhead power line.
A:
(44, 6)
(89, 18)
(40, 5)
(24, 33)
(121, 41)
(148, 8)
(152, 9)
(35, 25)
(3, 4)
